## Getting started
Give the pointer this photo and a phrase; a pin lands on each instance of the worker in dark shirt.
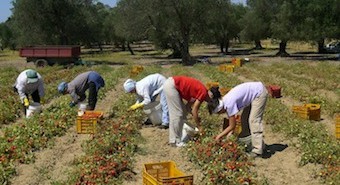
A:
(77, 87)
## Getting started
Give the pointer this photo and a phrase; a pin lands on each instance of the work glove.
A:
(26, 102)
(72, 104)
(136, 106)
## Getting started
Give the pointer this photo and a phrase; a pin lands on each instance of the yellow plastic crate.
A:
(226, 68)
(337, 126)
(212, 84)
(237, 62)
(87, 123)
(308, 111)
(224, 90)
(165, 173)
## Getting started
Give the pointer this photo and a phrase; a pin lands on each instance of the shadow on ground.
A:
(272, 149)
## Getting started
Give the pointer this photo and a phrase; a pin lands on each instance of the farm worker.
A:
(147, 90)
(249, 95)
(194, 92)
(29, 82)
(77, 87)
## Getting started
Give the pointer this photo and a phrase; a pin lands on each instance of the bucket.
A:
(82, 108)
(188, 132)
(154, 112)
(33, 108)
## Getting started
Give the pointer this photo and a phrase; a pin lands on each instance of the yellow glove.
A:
(136, 106)
(26, 102)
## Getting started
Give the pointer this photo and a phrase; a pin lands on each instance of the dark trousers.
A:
(35, 97)
(92, 96)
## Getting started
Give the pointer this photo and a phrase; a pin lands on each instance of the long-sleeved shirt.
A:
(78, 86)
(24, 87)
(149, 87)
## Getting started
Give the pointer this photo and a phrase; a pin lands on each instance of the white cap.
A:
(129, 85)
(219, 107)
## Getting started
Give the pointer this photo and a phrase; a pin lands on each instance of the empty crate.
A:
(226, 68)
(212, 84)
(165, 173)
(274, 91)
(237, 62)
(308, 111)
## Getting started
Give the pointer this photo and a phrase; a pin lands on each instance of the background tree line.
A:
(170, 24)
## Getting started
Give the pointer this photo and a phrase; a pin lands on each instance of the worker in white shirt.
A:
(147, 90)
(29, 82)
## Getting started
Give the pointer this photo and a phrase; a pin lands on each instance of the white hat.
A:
(219, 107)
(129, 85)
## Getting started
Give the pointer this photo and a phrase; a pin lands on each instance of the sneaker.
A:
(172, 144)
(253, 155)
(163, 126)
(181, 144)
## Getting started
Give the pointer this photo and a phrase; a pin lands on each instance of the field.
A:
(46, 149)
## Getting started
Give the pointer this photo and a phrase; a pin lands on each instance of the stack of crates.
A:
(87, 123)
(136, 70)
(212, 84)
(165, 173)
(308, 111)
(337, 126)
(274, 91)
(237, 62)
(226, 68)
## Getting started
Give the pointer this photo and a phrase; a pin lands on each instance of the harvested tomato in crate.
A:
(87, 123)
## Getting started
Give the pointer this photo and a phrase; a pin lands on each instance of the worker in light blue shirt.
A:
(147, 90)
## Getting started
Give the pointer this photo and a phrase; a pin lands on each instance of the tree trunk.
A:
(321, 44)
(227, 44)
(282, 51)
(258, 44)
(222, 46)
(130, 49)
(184, 46)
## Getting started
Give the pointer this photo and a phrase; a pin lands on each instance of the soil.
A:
(53, 164)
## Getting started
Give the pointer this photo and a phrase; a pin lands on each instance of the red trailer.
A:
(50, 55)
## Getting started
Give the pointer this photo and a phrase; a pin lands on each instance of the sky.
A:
(6, 5)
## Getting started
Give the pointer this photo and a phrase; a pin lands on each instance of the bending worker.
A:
(194, 92)
(77, 87)
(29, 82)
(147, 90)
(249, 95)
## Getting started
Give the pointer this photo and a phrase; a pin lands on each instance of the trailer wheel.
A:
(41, 63)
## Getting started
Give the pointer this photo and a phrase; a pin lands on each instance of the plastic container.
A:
(274, 91)
(188, 132)
(154, 112)
(165, 173)
(237, 62)
(82, 108)
(32, 109)
(226, 68)
(212, 84)
(308, 111)
(87, 123)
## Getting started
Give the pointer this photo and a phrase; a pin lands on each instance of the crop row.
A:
(19, 141)
(222, 162)
(316, 145)
(109, 154)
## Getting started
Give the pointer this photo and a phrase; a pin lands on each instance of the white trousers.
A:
(177, 110)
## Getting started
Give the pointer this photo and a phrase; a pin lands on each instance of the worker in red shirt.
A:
(194, 92)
